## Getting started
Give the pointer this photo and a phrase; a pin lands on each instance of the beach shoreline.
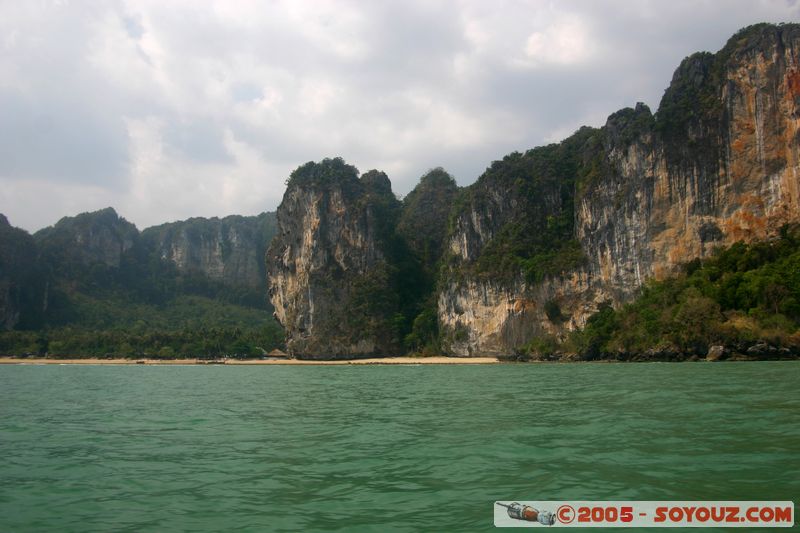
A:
(435, 360)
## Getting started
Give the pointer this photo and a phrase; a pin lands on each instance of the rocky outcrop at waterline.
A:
(352, 269)
(329, 277)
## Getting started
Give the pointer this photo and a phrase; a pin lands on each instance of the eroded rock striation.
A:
(100, 237)
(229, 250)
(330, 278)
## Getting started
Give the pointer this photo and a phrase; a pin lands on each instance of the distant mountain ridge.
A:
(230, 250)
(98, 251)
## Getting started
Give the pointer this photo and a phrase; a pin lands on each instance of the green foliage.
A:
(542, 347)
(424, 336)
(372, 304)
(423, 221)
(392, 295)
(22, 343)
(187, 311)
(526, 202)
(595, 163)
(627, 125)
(536, 252)
(324, 173)
(692, 97)
(126, 304)
(125, 343)
(593, 339)
(568, 256)
(190, 326)
(22, 280)
(394, 301)
(745, 293)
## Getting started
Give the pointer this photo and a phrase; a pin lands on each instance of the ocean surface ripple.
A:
(382, 448)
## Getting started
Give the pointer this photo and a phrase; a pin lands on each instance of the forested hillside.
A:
(92, 285)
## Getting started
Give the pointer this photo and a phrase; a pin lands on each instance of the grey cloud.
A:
(52, 140)
(246, 92)
(227, 101)
(197, 139)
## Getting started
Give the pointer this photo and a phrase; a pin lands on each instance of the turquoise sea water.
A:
(382, 448)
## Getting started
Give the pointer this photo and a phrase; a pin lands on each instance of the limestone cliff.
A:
(230, 250)
(329, 278)
(97, 238)
(512, 251)
(718, 163)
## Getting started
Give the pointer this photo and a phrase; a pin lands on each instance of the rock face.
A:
(512, 252)
(329, 278)
(230, 250)
(717, 164)
(100, 237)
(690, 180)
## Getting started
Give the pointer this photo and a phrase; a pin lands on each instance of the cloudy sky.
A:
(179, 108)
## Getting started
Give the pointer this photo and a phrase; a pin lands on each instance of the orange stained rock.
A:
(793, 83)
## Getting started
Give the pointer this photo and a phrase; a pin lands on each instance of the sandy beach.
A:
(436, 360)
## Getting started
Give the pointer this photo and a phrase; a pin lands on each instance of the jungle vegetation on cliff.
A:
(92, 286)
(744, 299)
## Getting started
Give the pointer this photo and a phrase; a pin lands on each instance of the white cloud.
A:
(159, 180)
(565, 42)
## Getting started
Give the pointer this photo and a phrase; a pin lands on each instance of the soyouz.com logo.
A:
(643, 514)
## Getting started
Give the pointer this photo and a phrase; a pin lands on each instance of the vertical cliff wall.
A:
(718, 163)
(328, 274)
(230, 250)
(513, 260)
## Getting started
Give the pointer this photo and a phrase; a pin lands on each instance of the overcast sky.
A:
(169, 109)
